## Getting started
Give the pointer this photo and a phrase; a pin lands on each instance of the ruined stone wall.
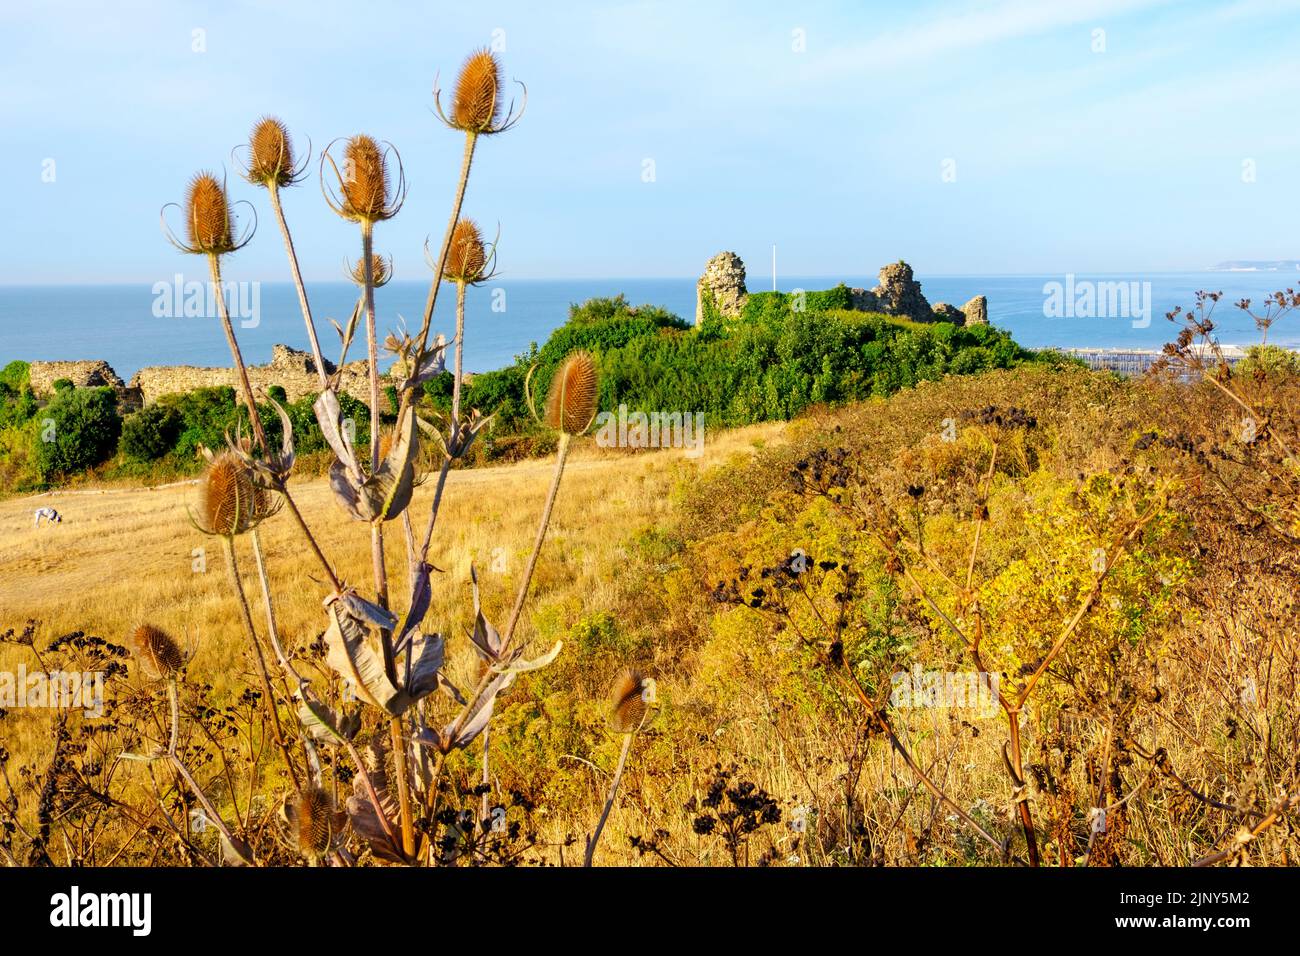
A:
(43, 375)
(723, 284)
(292, 370)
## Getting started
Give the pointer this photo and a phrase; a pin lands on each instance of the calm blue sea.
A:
(117, 323)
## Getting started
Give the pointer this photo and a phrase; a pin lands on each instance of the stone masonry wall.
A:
(43, 375)
(292, 370)
(723, 283)
(289, 368)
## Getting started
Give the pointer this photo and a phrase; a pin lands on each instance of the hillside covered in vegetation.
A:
(780, 357)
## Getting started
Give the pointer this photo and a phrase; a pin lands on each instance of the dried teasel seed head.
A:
(381, 270)
(628, 703)
(270, 153)
(365, 179)
(229, 502)
(466, 258)
(312, 822)
(476, 102)
(158, 651)
(207, 216)
(571, 401)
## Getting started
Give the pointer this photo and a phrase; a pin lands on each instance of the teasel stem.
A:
(453, 431)
(214, 266)
(211, 811)
(403, 785)
(431, 798)
(609, 801)
(274, 189)
(232, 564)
(176, 713)
(508, 634)
(372, 345)
(459, 374)
(487, 754)
(176, 762)
(561, 457)
(273, 632)
(467, 159)
(395, 729)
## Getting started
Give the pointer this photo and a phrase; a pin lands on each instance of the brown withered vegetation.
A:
(1035, 617)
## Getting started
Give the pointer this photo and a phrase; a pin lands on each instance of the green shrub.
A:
(77, 430)
(150, 433)
(14, 377)
(1269, 360)
(63, 385)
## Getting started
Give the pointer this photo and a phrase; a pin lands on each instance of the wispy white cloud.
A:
(951, 31)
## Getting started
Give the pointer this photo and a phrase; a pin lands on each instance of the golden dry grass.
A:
(126, 556)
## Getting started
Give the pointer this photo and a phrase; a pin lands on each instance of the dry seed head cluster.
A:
(381, 270)
(313, 822)
(571, 401)
(270, 158)
(156, 649)
(229, 502)
(627, 703)
(476, 102)
(466, 259)
(207, 216)
(365, 179)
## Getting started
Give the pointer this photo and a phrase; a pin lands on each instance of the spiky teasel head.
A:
(230, 503)
(571, 400)
(311, 822)
(477, 102)
(381, 270)
(468, 260)
(364, 192)
(631, 698)
(156, 649)
(270, 154)
(209, 221)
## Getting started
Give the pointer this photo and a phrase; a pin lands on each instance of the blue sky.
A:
(1175, 147)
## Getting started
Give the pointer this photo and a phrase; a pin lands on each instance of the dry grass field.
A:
(1169, 670)
(124, 555)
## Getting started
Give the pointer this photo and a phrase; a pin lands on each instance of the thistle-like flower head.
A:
(477, 104)
(209, 222)
(271, 155)
(156, 649)
(572, 398)
(362, 189)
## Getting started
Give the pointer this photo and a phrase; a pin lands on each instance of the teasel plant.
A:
(379, 649)
(477, 109)
(231, 503)
(362, 192)
(162, 656)
(210, 231)
(632, 702)
(570, 410)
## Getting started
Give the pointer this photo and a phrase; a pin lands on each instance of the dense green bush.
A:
(1269, 361)
(14, 377)
(786, 352)
(77, 430)
(17, 403)
(150, 433)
